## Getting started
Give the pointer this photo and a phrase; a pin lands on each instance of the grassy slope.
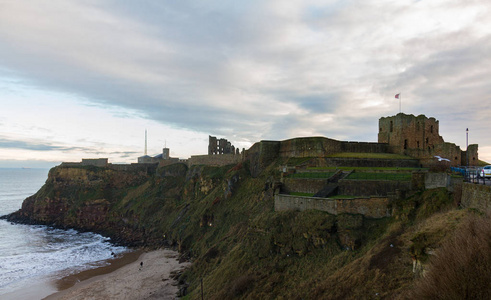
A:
(243, 249)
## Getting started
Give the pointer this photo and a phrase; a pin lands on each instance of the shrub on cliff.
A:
(461, 268)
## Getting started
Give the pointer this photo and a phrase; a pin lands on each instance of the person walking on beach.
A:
(141, 266)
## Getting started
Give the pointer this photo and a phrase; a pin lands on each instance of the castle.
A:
(419, 137)
(416, 137)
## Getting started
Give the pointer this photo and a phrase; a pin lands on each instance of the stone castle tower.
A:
(418, 136)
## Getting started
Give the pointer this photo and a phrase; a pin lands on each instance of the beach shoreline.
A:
(125, 278)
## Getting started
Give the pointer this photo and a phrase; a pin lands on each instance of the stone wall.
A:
(144, 168)
(364, 147)
(261, 154)
(309, 147)
(372, 207)
(369, 162)
(214, 160)
(437, 180)
(404, 132)
(471, 155)
(371, 187)
(98, 162)
(220, 146)
(171, 161)
(476, 196)
(303, 185)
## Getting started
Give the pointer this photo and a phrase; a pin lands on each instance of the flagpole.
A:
(400, 100)
(398, 96)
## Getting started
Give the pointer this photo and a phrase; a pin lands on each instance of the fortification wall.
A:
(372, 207)
(71, 164)
(303, 185)
(364, 147)
(146, 168)
(214, 160)
(309, 147)
(371, 187)
(261, 154)
(171, 161)
(476, 196)
(98, 162)
(369, 162)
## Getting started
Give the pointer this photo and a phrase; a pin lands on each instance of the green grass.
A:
(311, 175)
(369, 155)
(482, 163)
(381, 169)
(295, 161)
(379, 176)
(345, 197)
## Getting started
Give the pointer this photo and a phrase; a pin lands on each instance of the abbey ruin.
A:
(220, 146)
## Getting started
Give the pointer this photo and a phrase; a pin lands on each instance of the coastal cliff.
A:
(223, 218)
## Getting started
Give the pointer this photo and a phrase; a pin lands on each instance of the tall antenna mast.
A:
(145, 142)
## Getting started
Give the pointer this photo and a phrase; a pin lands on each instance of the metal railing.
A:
(470, 174)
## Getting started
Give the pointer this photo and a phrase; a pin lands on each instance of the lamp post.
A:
(467, 145)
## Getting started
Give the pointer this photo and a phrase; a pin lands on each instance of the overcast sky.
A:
(86, 78)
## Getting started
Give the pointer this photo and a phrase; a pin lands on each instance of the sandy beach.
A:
(132, 281)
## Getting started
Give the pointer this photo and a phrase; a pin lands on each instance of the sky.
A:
(85, 79)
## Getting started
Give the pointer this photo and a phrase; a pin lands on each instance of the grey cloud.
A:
(36, 146)
(5, 143)
(208, 67)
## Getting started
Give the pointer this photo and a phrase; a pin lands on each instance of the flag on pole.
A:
(397, 96)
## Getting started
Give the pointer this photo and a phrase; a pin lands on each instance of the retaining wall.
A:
(303, 185)
(437, 180)
(372, 207)
(371, 187)
(364, 147)
(214, 160)
(370, 162)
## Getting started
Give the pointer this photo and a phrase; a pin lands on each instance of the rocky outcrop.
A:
(81, 198)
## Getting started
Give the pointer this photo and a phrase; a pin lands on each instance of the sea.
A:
(32, 255)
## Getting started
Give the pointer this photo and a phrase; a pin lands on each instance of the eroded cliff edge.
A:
(224, 219)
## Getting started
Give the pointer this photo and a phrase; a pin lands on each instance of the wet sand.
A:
(43, 288)
(125, 279)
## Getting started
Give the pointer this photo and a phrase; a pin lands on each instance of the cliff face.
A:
(80, 198)
(224, 218)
